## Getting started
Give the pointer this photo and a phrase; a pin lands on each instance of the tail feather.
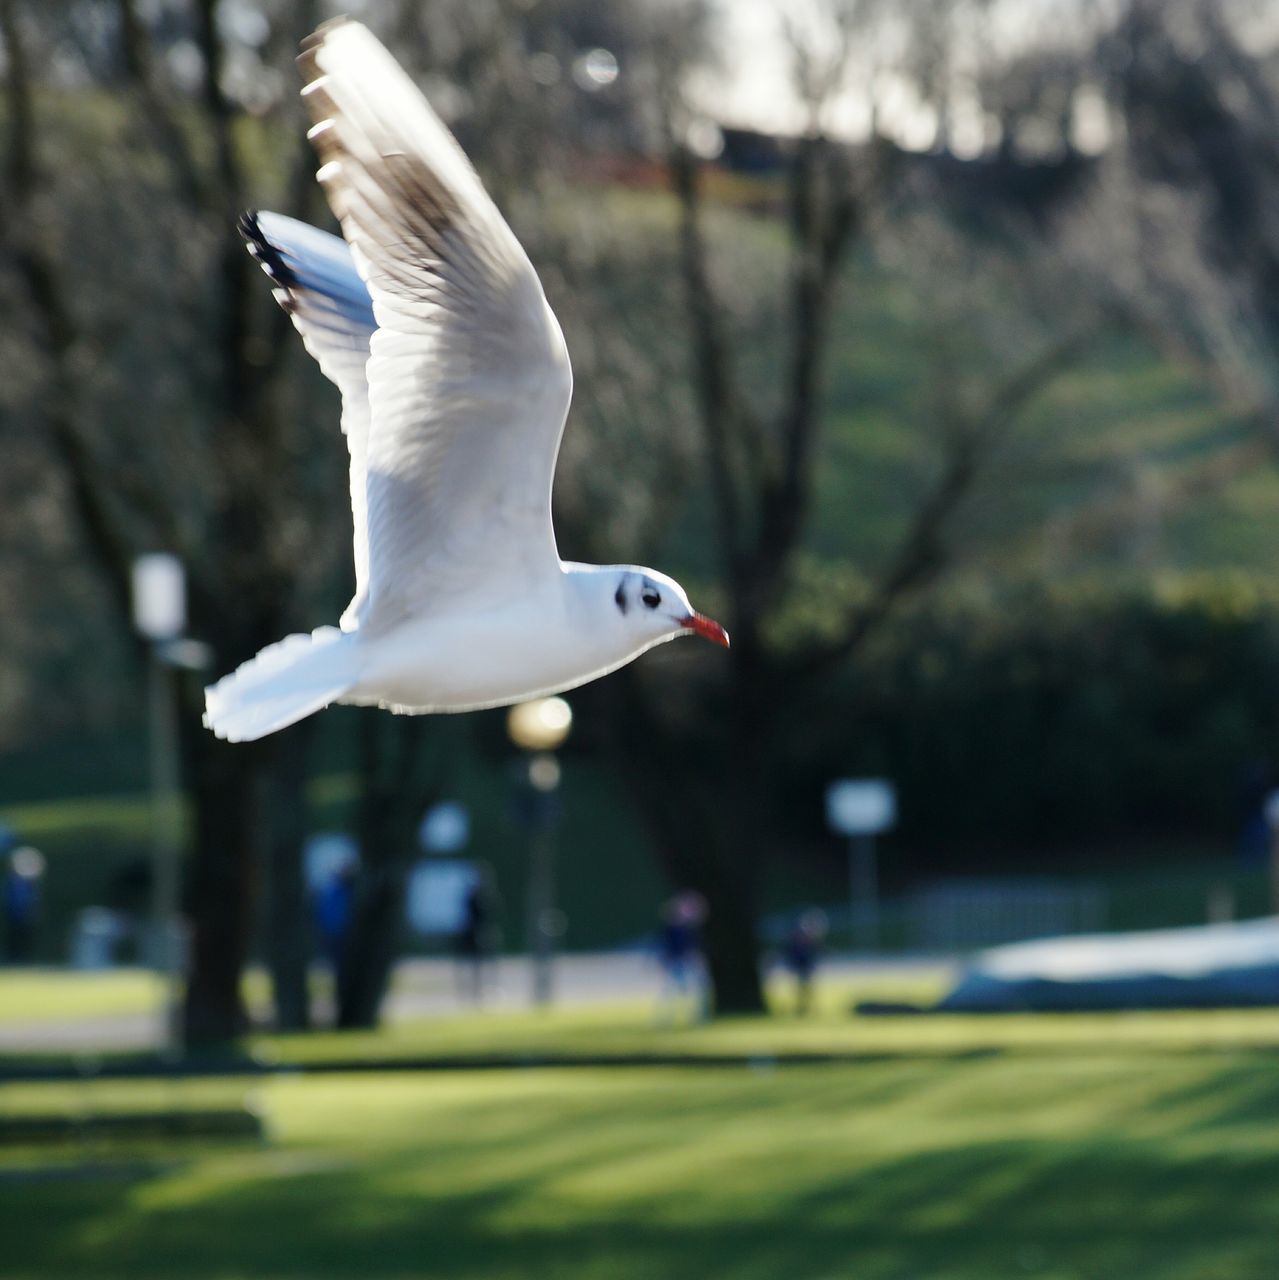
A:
(286, 682)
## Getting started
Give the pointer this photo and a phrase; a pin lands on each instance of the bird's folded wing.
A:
(469, 379)
(317, 284)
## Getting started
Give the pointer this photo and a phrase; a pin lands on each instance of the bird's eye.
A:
(651, 597)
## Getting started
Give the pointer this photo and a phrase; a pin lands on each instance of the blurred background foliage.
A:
(947, 376)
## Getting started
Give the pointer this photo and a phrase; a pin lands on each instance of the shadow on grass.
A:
(1237, 1094)
(965, 1214)
(865, 1173)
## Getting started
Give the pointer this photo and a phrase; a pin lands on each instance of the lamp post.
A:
(159, 614)
(860, 809)
(538, 728)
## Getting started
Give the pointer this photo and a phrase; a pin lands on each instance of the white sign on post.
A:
(861, 806)
(159, 596)
(438, 889)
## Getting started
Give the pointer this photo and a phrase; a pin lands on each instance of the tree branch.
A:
(140, 68)
(106, 540)
(713, 377)
(826, 213)
(922, 553)
(825, 216)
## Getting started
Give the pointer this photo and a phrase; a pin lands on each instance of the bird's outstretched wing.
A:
(317, 284)
(468, 377)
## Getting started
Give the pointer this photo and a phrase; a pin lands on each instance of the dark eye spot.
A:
(619, 597)
(651, 597)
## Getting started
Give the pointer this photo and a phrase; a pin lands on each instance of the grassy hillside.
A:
(1127, 463)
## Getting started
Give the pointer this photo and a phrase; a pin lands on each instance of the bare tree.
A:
(712, 796)
(751, 375)
(1175, 229)
(209, 480)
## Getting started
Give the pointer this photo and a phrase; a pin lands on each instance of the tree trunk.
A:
(732, 955)
(742, 812)
(288, 920)
(374, 942)
(394, 795)
(228, 833)
(701, 813)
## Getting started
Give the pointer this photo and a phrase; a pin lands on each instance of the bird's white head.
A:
(651, 608)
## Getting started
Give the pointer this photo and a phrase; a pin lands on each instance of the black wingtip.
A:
(264, 251)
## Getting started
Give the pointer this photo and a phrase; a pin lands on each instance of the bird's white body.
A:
(455, 384)
(565, 633)
(551, 640)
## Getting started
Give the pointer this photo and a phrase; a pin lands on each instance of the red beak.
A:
(707, 628)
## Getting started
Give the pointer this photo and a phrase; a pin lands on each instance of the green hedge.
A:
(1060, 714)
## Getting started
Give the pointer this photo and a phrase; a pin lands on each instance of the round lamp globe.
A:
(540, 725)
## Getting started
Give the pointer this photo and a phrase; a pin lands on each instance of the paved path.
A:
(425, 988)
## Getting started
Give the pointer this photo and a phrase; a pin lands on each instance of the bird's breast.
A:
(463, 662)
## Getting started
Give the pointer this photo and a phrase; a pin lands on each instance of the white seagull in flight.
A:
(455, 385)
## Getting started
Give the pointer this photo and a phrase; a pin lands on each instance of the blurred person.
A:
(473, 942)
(1255, 786)
(679, 952)
(22, 903)
(800, 956)
(334, 907)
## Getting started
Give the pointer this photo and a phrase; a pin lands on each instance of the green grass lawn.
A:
(1135, 1165)
(1141, 1146)
(42, 995)
(629, 1030)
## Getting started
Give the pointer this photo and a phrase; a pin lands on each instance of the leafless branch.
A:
(1098, 520)
(157, 112)
(105, 538)
(713, 377)
(922, 553)
(825, 215)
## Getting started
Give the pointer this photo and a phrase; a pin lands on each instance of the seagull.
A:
(455, 384)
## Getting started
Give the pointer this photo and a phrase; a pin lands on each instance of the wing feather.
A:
(317, 283)
(468, 376)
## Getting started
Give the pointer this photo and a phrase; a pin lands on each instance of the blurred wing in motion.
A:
(317, 284)
(468, 379)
